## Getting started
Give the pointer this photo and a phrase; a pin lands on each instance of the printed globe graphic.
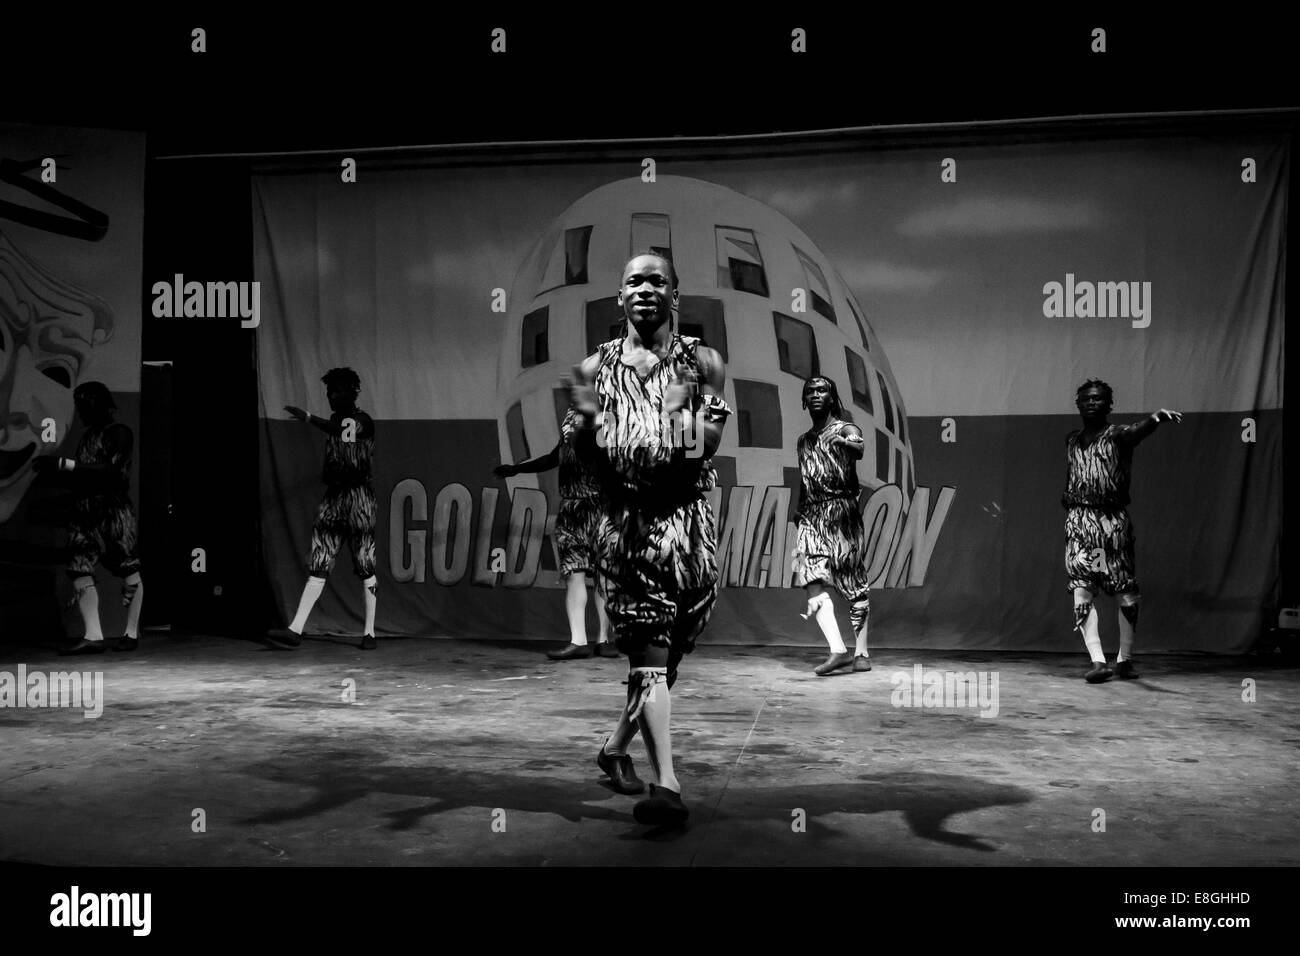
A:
(740, 265)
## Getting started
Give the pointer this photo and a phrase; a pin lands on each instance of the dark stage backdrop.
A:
(957, 305)
(70, 271)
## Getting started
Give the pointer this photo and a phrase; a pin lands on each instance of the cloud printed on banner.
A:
(994, 216)
(803, 200)
(882, 276)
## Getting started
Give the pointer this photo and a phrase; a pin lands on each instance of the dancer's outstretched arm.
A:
(1134, 434)
(531, 466)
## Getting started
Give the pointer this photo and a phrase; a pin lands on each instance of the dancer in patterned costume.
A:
(575, 537)
(103, 528)
(348, 509)
(831, 545)
(1098, 530)
(651, 401)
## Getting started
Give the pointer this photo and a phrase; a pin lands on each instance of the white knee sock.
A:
(575, 605)
(88, 605)
(1127, 630)
(369, 586)
(823, 608)
(1085, 621)
(310, 593)
(602, 616)
(134, 594)
(656, 711)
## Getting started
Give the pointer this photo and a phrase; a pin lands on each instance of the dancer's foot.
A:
(1124, 670)
(662, 808)
(83, 646)
(284, 637)
(834, 662)
(368, 642)
(620, 772)
(125, 643)
(1099, 672)
(862, 663)
(570, 652)
(606, 649)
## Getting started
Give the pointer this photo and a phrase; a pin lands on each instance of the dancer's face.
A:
(1093, 404)
(341, 399)
(817, 396)
(92, 412)
(647, 295)
(48, 331)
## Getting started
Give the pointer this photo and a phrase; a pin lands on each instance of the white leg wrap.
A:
(646, 678)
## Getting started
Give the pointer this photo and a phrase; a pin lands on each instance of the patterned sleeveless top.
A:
(577, 477)
(1100, 471)
(93, 449)
(634, 434)
(825, 467)
(348, 463)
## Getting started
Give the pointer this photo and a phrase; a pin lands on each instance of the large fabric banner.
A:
(957, 300)
(71, 248)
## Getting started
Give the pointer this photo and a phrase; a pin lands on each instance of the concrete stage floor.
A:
(446, 737)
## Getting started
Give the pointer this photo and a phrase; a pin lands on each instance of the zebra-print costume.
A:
(657, 537)
(578, 521)
(1099, 536)
(831, 544)
(348, 509)
(103, 525)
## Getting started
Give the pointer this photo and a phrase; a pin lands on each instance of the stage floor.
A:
(473, 753)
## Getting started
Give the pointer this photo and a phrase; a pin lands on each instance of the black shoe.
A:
(284, 637)
(834, 662)
(368, 642)
(620, 772)
(83, 646)
(1124, 670)
(1099, 672)
(862, 663)
(606, 649)
(570, 652)
(125, 643)
(663, 808)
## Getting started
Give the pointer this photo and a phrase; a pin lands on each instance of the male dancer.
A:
(348, 508)
(638, 394)
(103, 528)
(575, 537)
(1098, 531)
(831, 545)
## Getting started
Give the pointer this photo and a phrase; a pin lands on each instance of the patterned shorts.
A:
(103, 532)
(1099, 550)
(576, 527)
(344, 513)
(661, 575)
(831, 548)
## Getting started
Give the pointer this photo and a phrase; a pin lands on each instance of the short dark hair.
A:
(342, 378)
(662, 257)
(1095, 383)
